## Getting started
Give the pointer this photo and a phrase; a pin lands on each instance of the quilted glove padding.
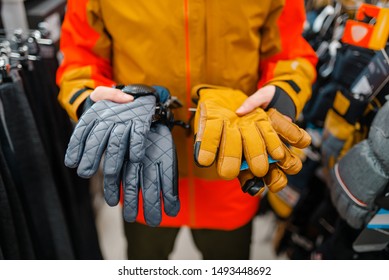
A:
(362, 174)
(156, 175)
(114, 128)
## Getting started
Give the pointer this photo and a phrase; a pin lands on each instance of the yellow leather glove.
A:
(223, 136)
(275, 179)
(216, 129)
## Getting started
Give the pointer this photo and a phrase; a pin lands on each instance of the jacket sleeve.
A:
(288, 61)
(86, 50)
(362, 174)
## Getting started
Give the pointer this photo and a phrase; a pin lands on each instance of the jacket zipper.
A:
(189, 141)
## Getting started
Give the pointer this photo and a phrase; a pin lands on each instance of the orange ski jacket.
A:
(178, 44)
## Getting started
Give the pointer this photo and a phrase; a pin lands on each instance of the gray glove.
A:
(145, 157)
(118, 129)
(156, 173)
(362, 174)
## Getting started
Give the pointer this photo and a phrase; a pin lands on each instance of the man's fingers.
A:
(112, 94)
(261, 99)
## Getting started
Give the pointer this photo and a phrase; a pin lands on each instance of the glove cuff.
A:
(224, 91)
(226, 97)
(139, 90)
(196, 90)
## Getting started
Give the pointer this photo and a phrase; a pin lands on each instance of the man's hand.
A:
(112, 94)
(261, 98)
(275, 179)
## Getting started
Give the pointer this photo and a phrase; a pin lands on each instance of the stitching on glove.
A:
(82, 147)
